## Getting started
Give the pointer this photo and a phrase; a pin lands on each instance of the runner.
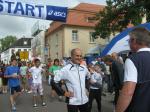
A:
(23, 73)
(52, 71)
(37, 86)
(12, 73)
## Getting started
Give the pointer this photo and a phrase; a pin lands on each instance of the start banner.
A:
(47, 12)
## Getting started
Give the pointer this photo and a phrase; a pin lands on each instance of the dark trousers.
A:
(109, 84)
(116, 96)
(75, 108)
(95, 94)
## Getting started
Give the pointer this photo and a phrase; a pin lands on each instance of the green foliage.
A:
(118, 14)
(7, 41)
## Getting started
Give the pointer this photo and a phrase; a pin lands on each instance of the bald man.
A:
(74, 74)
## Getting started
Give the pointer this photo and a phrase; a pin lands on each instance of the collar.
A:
(144, 49)
(75, 65)
(37, 67)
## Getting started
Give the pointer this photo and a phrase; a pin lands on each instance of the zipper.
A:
(80, 85)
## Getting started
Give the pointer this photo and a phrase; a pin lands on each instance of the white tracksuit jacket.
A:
(75, 81)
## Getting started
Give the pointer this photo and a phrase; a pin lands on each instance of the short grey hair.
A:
(141, 34)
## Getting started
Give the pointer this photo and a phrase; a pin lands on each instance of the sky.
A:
(21, 26)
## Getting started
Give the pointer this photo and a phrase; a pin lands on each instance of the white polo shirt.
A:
(130, 73)
(36, 74)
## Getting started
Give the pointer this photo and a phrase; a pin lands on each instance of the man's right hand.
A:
(15, 76)
(69, 94)
(92, 81)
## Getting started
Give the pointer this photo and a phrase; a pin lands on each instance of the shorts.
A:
(37, 88)
(30, 81)
(5, 81)
(15, 89)
(24, 80)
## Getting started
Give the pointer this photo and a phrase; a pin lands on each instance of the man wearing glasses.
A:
(135, 94)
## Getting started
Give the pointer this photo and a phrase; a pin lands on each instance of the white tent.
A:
(120, 42)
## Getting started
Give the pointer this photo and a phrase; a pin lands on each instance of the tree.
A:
(7, 41)
(118, 14)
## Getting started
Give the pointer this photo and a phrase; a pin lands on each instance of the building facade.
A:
(61, 38)
(38, 46)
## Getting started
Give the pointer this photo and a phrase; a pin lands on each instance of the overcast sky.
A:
(21, 26)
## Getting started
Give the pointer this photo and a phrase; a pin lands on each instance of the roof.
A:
(78, 16)
(89, 7)
(20, 43)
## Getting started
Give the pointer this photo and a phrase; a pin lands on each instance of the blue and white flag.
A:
(17, 8)
(120, 43)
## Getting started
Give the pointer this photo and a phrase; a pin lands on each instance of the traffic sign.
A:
(24, 54)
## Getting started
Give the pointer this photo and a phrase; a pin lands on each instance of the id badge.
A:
(35, 76)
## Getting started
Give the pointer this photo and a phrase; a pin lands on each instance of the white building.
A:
(22, 44)
(38, 46)
(38, 42)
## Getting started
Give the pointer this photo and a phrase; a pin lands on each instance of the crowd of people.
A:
(81, 83)
(27, 77)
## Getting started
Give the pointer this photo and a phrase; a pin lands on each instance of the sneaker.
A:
(5, 92)
(26, 90)
(22, 90)
(13, 108)
(29, 92)
(60, 98)
(35, 105)
(43, 104)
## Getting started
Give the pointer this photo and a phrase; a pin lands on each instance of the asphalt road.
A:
(24, 103)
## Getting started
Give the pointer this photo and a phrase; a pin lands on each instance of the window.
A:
(90, 19)
(75, 36)
(91, 38)
(25, 42)
(25, 49)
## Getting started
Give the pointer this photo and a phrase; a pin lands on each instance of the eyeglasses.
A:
(131, 40)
